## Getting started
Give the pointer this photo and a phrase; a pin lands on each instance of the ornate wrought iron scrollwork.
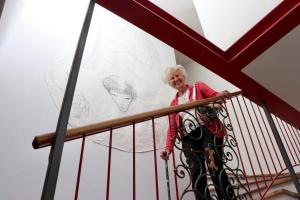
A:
(204, 157)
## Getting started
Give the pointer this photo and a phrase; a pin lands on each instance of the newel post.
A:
(62, 124)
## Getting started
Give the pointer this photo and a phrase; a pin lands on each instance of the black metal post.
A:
(2, 2)
(61, 128)
(282, 149)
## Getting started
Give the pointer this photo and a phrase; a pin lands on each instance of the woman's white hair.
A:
(170, 70)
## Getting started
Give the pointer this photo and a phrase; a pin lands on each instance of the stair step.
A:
(277, 182)
(275, 193)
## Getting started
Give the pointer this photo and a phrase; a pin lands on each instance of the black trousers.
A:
(195, 147)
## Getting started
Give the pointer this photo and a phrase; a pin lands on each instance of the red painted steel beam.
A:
(168, 29)
(259, 94)
(264, 34)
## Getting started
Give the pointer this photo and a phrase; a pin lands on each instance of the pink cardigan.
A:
(203, 91)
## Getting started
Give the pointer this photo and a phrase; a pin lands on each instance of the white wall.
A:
(183, 10)
(34, 35)
(30, 36)
(196, 72)
(224, 22)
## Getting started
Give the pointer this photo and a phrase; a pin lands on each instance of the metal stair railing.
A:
(249, 147)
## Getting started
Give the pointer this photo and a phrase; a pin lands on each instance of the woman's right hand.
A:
(164, 154)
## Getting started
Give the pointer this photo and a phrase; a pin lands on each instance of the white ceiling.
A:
(224, 22)
(278, 68)
(184, 11)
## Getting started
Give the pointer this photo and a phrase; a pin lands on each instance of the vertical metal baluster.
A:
(295, 135)
(285, 139)
(155, 159)
(79, 168)
(241, 158)
(263, 134)
(257, 158)
(291, 138)
(109, 165)
(133, 162)
(281, 148)
(242, 134)
(276, 154)
(251, 103)
(174, 164)
(246, 147)
(298, 131)
(58, 144)
(175, 171)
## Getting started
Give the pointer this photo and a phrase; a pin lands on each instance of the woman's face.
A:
(177, 80)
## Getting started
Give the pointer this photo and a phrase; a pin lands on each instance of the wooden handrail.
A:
(76, 133)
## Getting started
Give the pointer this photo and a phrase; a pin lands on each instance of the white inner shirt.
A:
(188, 117)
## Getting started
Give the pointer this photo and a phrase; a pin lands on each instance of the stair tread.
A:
(282, 191)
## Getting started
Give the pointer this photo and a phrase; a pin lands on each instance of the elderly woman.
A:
(198, 138)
